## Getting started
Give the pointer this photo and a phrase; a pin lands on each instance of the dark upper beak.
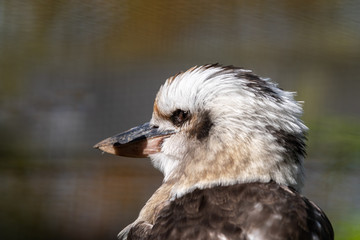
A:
(139, 141)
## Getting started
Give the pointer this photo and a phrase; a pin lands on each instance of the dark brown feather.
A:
(262, 210)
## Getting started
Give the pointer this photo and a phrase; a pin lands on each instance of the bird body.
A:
(231, 147)
(241, 211)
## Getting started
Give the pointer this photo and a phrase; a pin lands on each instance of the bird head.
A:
(219, 125)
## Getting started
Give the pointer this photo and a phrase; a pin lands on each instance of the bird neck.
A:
(156, 202)
(235, 164)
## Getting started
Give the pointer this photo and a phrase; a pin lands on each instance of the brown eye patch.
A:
(179, 117)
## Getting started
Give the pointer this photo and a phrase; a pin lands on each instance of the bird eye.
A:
(179, 117)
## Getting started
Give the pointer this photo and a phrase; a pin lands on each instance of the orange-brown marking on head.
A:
(157, 111)
(192, 69)
(170, 80)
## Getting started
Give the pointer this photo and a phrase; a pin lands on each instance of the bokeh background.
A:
(75, 72)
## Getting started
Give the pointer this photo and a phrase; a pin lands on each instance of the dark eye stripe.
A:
(179, 117)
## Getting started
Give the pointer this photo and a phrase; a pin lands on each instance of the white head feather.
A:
(238, 128)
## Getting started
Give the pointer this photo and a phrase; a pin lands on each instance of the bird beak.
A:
(138, 142)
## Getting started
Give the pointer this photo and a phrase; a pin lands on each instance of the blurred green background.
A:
(75, 72)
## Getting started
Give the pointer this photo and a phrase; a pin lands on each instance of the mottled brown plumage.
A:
(241, 211)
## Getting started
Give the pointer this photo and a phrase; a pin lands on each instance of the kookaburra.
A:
(231, 147)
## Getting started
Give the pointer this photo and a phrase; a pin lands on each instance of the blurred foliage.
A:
(348, 229)
(335, 139)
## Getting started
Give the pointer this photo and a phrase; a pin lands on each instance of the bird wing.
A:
(241, 211)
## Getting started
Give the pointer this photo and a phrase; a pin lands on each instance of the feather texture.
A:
(242, 211)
